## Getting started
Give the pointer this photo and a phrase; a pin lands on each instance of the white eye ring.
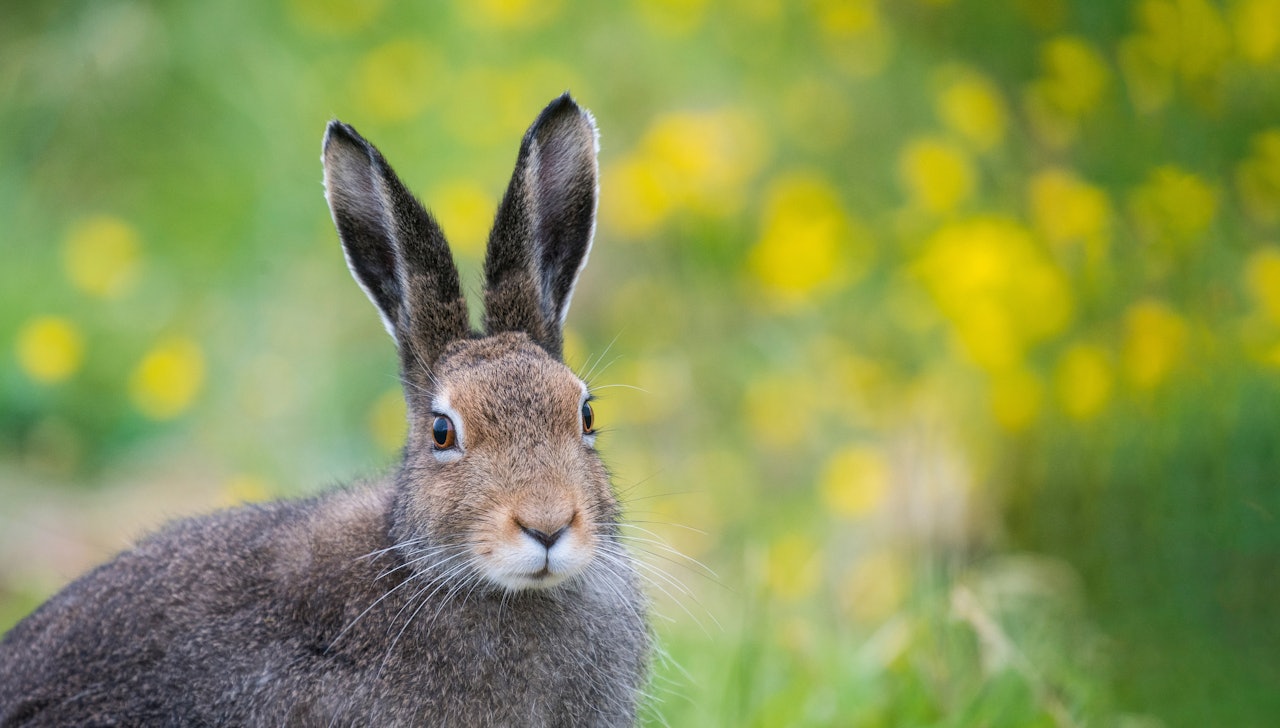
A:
(440, 406)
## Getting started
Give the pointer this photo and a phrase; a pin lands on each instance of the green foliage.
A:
(952, 327)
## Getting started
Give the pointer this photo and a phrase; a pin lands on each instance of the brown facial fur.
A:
(524, 460)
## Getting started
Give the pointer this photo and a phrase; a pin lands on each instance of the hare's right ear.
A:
(542, 233)
(395, 250)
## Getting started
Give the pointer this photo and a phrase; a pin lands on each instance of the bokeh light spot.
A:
(1155, 337)
(938, 176)
(102, 256)
(388, 420)
(394, 82)
(1084, 381)
(854, 481)
(165, 383)
(50, 349)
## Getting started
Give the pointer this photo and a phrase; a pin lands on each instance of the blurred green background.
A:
(954, 327)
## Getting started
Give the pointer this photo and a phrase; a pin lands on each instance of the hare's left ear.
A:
(543, 230)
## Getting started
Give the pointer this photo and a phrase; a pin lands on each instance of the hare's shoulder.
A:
(242, 565)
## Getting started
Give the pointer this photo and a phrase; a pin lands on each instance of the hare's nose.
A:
(546, 539)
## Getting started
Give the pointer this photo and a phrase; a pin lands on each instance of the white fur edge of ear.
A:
(346, 254)
(440, 404)
(595, 209)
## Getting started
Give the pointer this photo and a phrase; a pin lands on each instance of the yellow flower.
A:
(465, 211)
(1262, 280)
(1015, 399)
(101, 256)
(686, 161)
(769, 404)
(1257, 29)
(1075, 76)
(1174, 207)
(167, 380)
(488, 14)
(1188, 38)
(855, 481)
(1155, 337)
(49, 349)
(971, 105)
(335, 16)
(794, 567)
(938, 175)
(808, 243)
(1083, 381)
(638, 201)
(673, 17)
(1258, 178)
(394, 81)
(1066, 209)
(998, 289)
(853, 34)
(876, 586)
(245, 488)
(387, 420)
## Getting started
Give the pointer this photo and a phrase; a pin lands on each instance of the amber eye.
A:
(443, 433)
(588, 419)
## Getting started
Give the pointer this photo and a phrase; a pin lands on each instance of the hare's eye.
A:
(443, 433)
(588, 419)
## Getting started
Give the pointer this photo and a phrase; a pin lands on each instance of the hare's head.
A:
(500, 480)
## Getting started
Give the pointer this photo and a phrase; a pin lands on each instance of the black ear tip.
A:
(563, 112)
(340, 132)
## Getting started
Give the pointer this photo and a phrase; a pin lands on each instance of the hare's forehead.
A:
(513, 383)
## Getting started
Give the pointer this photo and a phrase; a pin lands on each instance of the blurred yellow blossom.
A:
(1257, 29)
(794, 567)
(1083, 381)
(1186, 38)
(854, 481)
(854, 35)
(1015, 398)
(1173, 206)
(388, 420)
(1066, 209)
(938, 175)
(971, 105)
(1155, 337)
(1262, 280)
(776, 406)
(465, 211)
(245, 488)
(1075, 76)
(1258, 178)
(395, 81)
(101, 256)
(490, 120)
(335, 16)
(672, 17)
(167, 380)
(817, 114)
(876, 586)
(695, 161)
(808, 242)
(490, 14)
(998, 289)
(49, 349)
(1073, 84)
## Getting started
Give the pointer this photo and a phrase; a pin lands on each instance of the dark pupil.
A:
(588, 417)
(440, 431)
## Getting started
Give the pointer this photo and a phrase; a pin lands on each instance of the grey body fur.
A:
(391, 602)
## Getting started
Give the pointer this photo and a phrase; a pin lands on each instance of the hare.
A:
(481, 583)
